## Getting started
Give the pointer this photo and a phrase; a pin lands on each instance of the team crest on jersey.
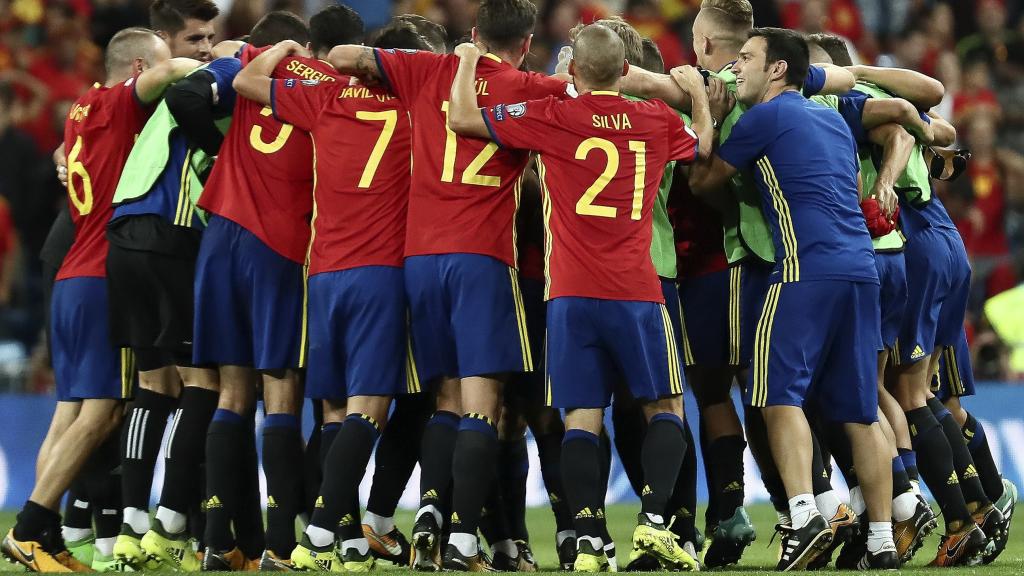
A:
(310, 82)
(516, 110)
(289, 83)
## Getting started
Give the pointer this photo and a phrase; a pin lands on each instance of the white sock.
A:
(465, 543)
(857, 501)
(433, 510)
(75, 534)
(137, 519)
(880, 537)
(904, 506)
(360, 544)
(379, 524)
(595, 542)
(559, 537)
(507, 547)
(609, 551)
(105, 546)
(656, 518)
(173, 522)
(801, 510)
(319, 537)
(828, 503)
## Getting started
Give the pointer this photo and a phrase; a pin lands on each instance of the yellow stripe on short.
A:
(547, 375)
(412, 377)
(687, 352)
(956, 384)
(895, 356)
(735, 274)
(762, 342)
(524, 338)
(674, 376)
(127, 372)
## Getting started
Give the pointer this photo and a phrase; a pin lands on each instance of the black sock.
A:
(248, 518)
(820, 481)
(396, 455)
(35, 522)
(900, 480)
(581, 476)
(549, 449)
(630, 426)
(104, 487)
(493, 517)
(282, 465)
(186, 449)
(977, 443)
(606, 471)
(683, 502)
(312, 471)
(140, 444)
(514, 467)
(77, 508)
(343, 471)
(225, 465)
(838, 443)
(328, 433)
(662, 457)
(936, 465)
(909, 458)
(473, 470)
(714, 496)
(726, 455)
(436, 458)
(970, 483)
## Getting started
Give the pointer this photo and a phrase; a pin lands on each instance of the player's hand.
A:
(468, 51)
(885, 195)
(292, 48)
(564, 56)
(62, 165)
(688, 78)
(720, 99)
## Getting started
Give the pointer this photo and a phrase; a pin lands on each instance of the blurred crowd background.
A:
(51, 51)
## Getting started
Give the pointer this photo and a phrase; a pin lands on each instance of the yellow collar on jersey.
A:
(604, 93)
(493, 57)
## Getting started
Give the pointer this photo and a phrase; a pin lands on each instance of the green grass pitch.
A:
(759, 558)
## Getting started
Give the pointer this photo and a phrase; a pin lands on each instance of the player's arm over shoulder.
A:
(398, 69)
(150, 85)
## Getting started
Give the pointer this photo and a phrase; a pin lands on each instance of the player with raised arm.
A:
(603, 311)
(356, 287)
(466, 315)
(804, 158)
(93, 377)
(250, 293)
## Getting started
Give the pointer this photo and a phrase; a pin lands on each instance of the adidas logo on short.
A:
(970, 472)
(455, 518)
(346, 520)
(953, 479)
(732, 487)
(429, 495)
(917, 354)
(647, 490)
(213, 502)
(319, 502)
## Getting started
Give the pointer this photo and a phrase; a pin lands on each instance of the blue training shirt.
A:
(804, 160)
(162, 200)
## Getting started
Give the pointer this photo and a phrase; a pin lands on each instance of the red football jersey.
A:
(361, 142)
(698, 232)
(465, 191)
(602, 160)
(98, 135)
(263, 177)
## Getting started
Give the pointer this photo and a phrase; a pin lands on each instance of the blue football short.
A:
(938, 286)
(819, 341)
(249, 302)
(892, 274)
(85, 363)
(675, 314)
(711, 307)
(358, 338)
(528, 387)
(755, 278)
(956, 376)
(467, 316)
(592, 344)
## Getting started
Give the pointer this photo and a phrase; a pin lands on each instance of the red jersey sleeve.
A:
(300, 102)
(128, 101)
(682, 142)
(542, 86)
(520, 125)
(406, 71)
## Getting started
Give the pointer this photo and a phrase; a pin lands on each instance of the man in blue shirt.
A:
(822, 307)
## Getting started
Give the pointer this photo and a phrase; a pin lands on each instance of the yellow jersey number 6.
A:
(75, 168)
(256, 135)
(472, 174)
(585, 205)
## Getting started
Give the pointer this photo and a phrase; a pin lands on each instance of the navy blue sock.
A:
(225, 448)
(662, 455)
(473, 470)
(282, 465)
(581, 476)
(343, 471)
(977, 443)
(436, 458)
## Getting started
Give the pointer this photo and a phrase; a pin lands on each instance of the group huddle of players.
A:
(459, 248)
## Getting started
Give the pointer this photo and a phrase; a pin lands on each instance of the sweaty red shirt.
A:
(99, 132)
(361, 148)
(465, 191)
(601, 162)
(263, 177)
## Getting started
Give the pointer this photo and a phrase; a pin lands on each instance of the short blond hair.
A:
(632, 42)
